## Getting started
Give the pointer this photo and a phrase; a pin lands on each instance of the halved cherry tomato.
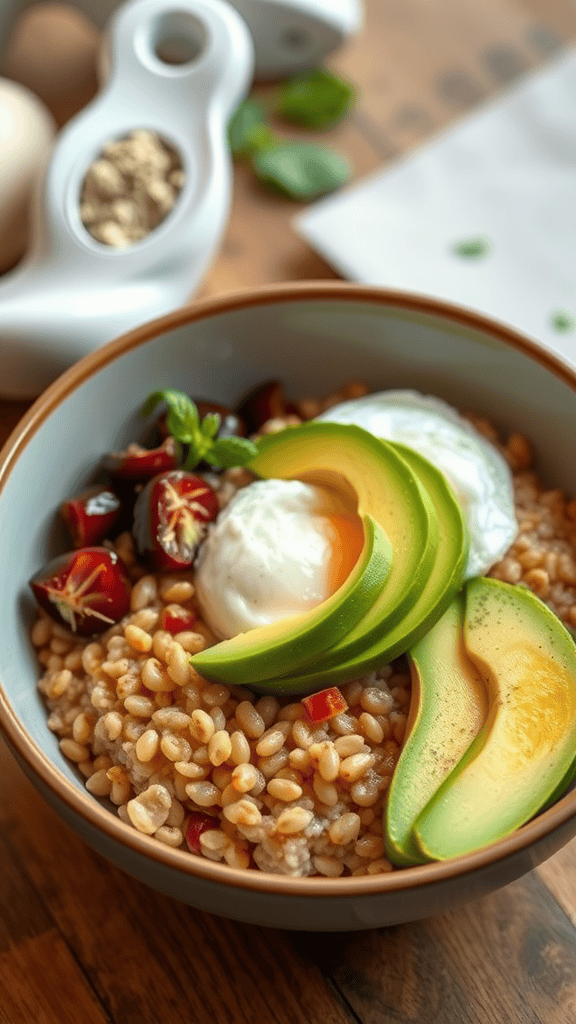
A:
(139, 464)
(197, 824)
(170, 517)
(265, 402)
(87, 591)
(90, 515)
(324, 705)
(175, 619)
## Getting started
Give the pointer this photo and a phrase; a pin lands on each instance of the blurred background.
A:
(430, 53)
(419, 68)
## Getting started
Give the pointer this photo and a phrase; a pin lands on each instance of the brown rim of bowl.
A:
(98, 816)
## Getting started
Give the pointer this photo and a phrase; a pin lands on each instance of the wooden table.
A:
(80, 942)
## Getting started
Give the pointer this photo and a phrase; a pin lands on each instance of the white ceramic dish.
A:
(179, 70)
(315, 337)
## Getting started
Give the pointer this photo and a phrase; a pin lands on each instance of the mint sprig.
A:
(183, 422)
(302, 171)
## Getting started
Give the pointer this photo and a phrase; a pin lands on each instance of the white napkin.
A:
(484, 215)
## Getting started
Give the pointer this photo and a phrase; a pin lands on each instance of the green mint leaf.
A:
(475, 248)
(199, 449)
(227, 452)
(174, 400)
(315, 99)
(182, 419)
(301, 170)
(248, 132)
(263, 139)
(210, 424)
(180, 429)
(562, 321)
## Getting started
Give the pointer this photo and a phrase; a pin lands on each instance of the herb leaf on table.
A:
(247, 129)
(301, 170)
(315, 99)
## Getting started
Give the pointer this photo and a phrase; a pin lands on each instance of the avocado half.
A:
(523, 757)
(405, 543)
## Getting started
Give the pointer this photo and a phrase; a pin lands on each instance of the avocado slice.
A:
(447, 708)
(378, 480)
(375, 641)
(524, 755)
(253, 655)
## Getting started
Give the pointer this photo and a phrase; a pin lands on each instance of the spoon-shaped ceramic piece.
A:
(72, 293)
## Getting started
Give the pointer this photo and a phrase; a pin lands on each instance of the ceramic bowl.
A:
(314, 337)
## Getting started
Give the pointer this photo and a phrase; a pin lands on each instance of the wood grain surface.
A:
(81, 942)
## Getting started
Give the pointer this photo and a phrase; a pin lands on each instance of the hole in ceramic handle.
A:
(293, 39)
(177, 38)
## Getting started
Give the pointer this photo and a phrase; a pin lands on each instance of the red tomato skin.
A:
(87, 591)
(197, 824)
(90, 515)
(170, 518)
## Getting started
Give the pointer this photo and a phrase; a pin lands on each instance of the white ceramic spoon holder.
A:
(72, 293)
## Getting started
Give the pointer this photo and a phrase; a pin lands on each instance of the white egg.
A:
(269, 555)
(27, 132)
(478, 474)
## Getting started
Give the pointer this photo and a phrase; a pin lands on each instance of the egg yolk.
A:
(346, 537)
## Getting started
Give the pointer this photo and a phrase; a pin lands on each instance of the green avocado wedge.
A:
(373, 642)
(524, 755)
(373, 476)
(447, 709)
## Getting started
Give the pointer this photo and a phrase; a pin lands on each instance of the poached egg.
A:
(478, 474)
(279, 548)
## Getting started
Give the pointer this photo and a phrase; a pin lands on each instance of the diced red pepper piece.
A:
(170, 517)
(90, 515)
(87, 591)
(325, 704)
(197, 824)
(139, 464)
(175, 619)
